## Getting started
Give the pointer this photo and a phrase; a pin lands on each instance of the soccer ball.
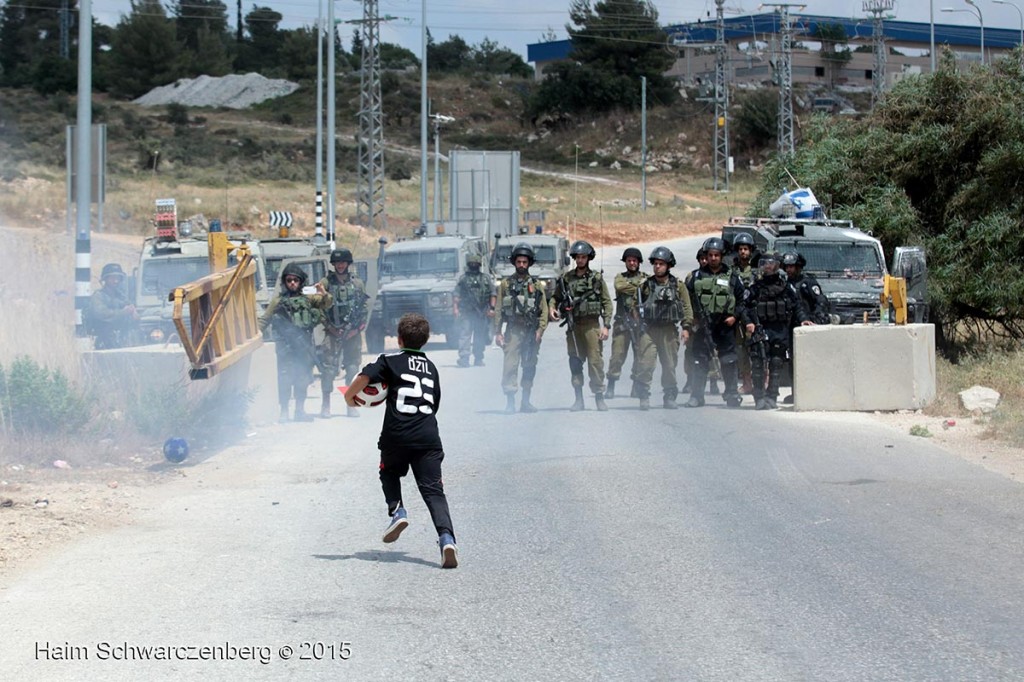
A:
(373, 395)
(176, 450)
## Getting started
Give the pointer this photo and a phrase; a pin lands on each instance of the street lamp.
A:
(1021, 16)
(978, 15)
(438, 119)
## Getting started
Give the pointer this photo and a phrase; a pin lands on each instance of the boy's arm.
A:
(358, 384)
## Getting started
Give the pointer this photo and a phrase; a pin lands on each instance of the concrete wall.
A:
(864, 367)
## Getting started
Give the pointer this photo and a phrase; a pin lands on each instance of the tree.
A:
(940, 163)
(144, 53)
(450, 56)
(396, 57)
(29, 37)
(260, 51)
(490, 58)
(614, 44)
(192, 15)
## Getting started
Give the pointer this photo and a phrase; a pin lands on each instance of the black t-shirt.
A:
(414, 396)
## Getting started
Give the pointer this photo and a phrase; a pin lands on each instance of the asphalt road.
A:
(708, 544)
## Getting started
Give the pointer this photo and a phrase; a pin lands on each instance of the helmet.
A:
(341, 256)
(701, 253)
(111, 269)
(770, 257)
(521, 249)
(793, 258)
(714, 244)
(294, 270)
(632, 252)
(743, 239)
(582, 248)
(663, 253)
(474, 259)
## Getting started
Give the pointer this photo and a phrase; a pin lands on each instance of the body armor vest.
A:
(521, 302)
(661, 301)
(624, 303)
(772, 303)
(714, 293)
(476, 286)
(299, 311)
(586, 293)
(348, 297)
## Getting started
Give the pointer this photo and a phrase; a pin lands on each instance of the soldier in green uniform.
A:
(626, 330)
(581, 300)
(668, 318)
(343, 322)
(519, 326)
(475, 297)
(742, 265)
(714, 293)
(111, 317)
(294, 315)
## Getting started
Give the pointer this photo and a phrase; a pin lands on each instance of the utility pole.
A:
(83, 170)
(320, 118)
(721, 101)
(438, 120)
(876, 8)
(370, 185)
(65, 30)
(784, 74)
(643, 143)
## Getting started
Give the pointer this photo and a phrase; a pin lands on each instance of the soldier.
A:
(581, 300)
(714, 293)
(111, 316)
(294, 316)
(769, 309)
(702, 260)
(742, 265)
(343, 322)
(626, 330)
(807, 286)
(475, 297)
(524, 317)
(668, 318)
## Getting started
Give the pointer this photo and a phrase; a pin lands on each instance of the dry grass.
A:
(999, 370)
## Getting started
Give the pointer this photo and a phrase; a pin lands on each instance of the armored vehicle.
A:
(419, 276)
(551, 254)
(848, 262)
(280, 249)
(166, 263)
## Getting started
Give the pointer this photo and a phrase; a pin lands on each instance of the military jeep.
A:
(551, 256)
(419, 276)
(848, 263)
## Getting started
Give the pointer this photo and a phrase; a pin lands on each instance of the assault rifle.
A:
(757, 343)
(707, 325)
(344, 325)
(566, 306)
(634, 321)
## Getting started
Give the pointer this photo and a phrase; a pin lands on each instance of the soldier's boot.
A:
(283, 416)
(771, 393)
(510, 402)
(788, 400)
(730, 378)
(462, 362)
(578, 405)
(669, 402)
(599, 402)
(526, 406)
(610, 393)
(325, 406)
(700, 378)
(300, 412)
(645, 403)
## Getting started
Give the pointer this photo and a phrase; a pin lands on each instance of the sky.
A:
(515, 24)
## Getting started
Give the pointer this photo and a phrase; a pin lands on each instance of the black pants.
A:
(426, 468)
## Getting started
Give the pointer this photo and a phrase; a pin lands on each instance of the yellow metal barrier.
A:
(894, 293)
(223, 316)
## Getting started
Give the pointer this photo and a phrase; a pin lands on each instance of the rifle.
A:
(634, 321)
(757, 344)
(707, 325)
(566, 310)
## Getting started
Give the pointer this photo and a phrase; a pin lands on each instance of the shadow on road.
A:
(384, 557)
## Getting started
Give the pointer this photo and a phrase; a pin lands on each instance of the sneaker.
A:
(399, 522)
(449, 552)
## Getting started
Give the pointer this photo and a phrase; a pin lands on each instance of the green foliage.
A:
(756, 123)
(36, 400)
(614, 44)
(920, 431)
(177, 114)
(144, 53)
(939, 163)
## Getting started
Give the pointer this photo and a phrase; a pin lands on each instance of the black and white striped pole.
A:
(83, 264)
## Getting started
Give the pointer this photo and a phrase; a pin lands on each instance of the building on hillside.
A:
(751, 40)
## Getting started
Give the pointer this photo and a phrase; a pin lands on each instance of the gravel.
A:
(234, 91)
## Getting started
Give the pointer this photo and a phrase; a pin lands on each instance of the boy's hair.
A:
(414, 330)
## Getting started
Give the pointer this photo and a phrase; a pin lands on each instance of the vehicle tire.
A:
(374, 340)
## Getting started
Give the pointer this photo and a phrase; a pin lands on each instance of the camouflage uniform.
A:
(294, 316)
(626, 317)
(591, 304)
(110, 318)
(714, 296)
(521, 320)
(475, 299)
(343, 322)
(665, 305)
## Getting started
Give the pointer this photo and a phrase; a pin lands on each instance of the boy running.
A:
(409, 437)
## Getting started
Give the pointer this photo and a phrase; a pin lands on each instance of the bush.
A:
(35, 400)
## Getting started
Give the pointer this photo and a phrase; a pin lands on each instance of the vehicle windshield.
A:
(542, 255)
(837, 259)
(412, 263)
(160, 276)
